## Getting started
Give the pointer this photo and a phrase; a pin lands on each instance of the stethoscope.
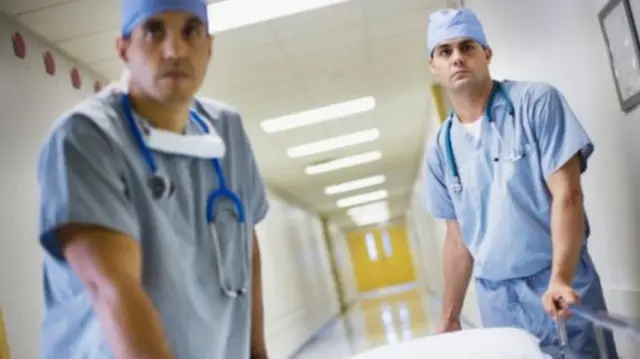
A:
(161, 187)
(515, 154)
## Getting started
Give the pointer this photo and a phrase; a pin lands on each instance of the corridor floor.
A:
(378, 319)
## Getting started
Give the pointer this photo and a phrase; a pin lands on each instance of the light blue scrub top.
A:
(91, 171)
(504, 209)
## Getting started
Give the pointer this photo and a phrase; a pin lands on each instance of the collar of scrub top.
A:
(498, 89)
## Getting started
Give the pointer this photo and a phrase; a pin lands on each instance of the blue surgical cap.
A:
(135, 12)
(449, 24)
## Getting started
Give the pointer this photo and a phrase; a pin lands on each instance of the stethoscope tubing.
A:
(455, 174)
(223, 191)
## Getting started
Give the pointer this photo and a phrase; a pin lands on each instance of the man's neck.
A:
(170, 117)
(470, 105)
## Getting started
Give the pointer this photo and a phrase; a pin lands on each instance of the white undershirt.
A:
(473, 128)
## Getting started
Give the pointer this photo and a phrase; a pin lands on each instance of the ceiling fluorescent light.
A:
(366, 221)
(362, 198)
(371, 219)
(371, 213)
(369, 209)
(333, 143)
(384, 214)
(355, 185)
(321, 114)
(231, 14)
(344, 162)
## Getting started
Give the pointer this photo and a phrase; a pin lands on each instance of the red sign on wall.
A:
(76, 79)
(49, 63)
(19, 46)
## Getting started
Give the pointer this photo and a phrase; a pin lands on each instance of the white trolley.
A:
(501, 343)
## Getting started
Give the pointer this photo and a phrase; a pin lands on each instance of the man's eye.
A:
(192, 31)
(154, 30)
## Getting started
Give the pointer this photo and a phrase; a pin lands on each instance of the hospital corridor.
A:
(339, 104)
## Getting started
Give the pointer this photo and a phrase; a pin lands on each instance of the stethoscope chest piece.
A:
(514, 156)
(235, 293)
(160, 186)
(457, 187)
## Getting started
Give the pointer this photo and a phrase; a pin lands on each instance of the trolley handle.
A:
(600, 319)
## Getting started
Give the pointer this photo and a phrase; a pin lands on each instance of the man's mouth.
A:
(175, 74)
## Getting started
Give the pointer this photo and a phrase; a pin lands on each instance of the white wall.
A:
(424, 232)
(560, 42)
(427, 237)
(30, 101)
(299, 293)
(343, 263)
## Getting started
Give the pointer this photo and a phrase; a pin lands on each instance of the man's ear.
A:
(211, 44)
(122, 45)
(489, 54)
(431, 67)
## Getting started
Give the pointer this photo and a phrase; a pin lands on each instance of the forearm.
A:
(258, 345)
(567, 235)
(130, 322)
(458, 265)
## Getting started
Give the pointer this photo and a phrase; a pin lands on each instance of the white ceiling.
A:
(338, 53)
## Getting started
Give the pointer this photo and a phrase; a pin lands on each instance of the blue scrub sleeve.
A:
(81, 182)
(435, 196)
(560, 136)
(257, 204)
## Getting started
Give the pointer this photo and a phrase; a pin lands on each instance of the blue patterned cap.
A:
(449, 24)
(135, 12)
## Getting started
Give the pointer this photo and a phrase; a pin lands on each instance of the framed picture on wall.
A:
(634, 8)
(623, 48)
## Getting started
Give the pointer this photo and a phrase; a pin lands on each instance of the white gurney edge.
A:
(480, 343)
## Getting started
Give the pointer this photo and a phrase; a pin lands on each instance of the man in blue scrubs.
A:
(504, 173)
(133, 269)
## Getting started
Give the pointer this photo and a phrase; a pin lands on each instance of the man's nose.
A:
(174, 47)
(457, 57)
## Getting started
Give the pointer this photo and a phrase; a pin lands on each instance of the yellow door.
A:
(381, 257)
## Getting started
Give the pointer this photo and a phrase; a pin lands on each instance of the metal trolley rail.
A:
(601, 322)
